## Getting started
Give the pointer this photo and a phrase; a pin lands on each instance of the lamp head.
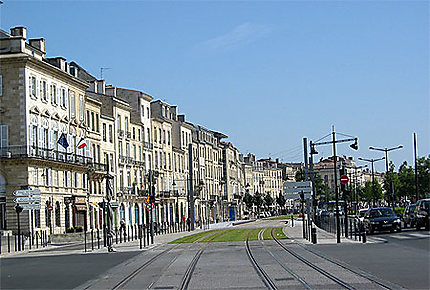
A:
(355, 144)
(313, 150)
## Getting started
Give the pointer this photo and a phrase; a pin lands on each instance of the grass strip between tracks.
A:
(231, 235)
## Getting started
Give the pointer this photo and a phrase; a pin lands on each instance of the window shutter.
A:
(67, 98)
(30, 134)
(37, 87)
(50, 137)
(29, 85)
(57, 95)
(39, 137)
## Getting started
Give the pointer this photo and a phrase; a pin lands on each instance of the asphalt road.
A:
(401, 258)
(56, 272)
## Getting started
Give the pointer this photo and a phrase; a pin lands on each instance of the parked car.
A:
(381, 219)
(422, 214)
(409, 215)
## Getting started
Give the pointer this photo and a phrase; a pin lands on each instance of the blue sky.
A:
(266, 73)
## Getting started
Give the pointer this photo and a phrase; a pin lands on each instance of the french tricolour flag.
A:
(82, 144)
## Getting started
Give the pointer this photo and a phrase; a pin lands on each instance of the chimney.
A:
(101, 85)
(19, 31)
(277, 160)
(93, 87)
(110, 91)
(38, 43)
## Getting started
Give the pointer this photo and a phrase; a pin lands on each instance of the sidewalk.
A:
(295, 233)
(78, 247)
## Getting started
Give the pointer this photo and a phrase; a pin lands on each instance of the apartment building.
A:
(42, 105)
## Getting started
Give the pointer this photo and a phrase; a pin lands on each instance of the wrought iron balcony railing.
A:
(17, 152)
(147, 145)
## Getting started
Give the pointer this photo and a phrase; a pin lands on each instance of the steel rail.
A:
(263, 275)
(190, 270)
(313, 266)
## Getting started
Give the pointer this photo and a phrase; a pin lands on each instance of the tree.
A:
(423, 170)
(391, 179)
(258, 200)
(372, 191)
(406, 178)
(248, 200)
(280, 200)
(268, 200)
(300, 175)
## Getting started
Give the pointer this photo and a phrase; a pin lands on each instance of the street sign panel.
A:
(298, 184)
(296, 196)
(344, 179)
(26, 192)
(27, 199)
(30, 206)
(296, 189)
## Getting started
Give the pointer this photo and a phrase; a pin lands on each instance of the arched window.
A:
(122, 212)
(57, 214)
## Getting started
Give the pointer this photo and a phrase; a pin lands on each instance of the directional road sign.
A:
(26, 192)
(295, 190)
(27, 199)
(296, 195)
(30, 206)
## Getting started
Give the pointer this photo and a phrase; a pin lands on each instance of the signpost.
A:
(302, 190)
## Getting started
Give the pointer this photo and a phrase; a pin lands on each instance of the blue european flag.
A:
(63, 141)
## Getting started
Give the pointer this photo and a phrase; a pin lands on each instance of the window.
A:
(119, 122)
(127, 149)
(110, 134)
(97, 123)
(147, 113)
(168, 137)
(134, 152)
(32, 84)
(149, 135)
(44, 90)
(1, 85)
(120, 148)
(134, 133)
(126, 124)
(54, 94)
(142, 110)
(92, 122)
(63, 98)
(138, 134)
(104, 132)
(4, 135)
(128, 178)
(36, 176)
(121, 179)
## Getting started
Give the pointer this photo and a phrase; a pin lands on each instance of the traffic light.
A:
(302, 196)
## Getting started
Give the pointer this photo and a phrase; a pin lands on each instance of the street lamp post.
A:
(386, 150)
(372, 161)
(334, 141)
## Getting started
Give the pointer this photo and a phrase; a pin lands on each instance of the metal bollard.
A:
(92, 239)
(98, 239)
(85, 241)
(292, 220)
(8, 243)
(355, 230)
(140, 237)
(120, 235)
(116, 235)
(104, 236)
(314, 235)
(144, 235)
(23, 242)
(37, 240)
(15, 243)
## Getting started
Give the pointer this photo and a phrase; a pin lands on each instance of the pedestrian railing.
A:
(354, 229)
(14, 242)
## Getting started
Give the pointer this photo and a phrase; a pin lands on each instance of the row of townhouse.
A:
(114, 131)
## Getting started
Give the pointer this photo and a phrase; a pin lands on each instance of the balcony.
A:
(20, 152)
(128, 134)
(120, 133)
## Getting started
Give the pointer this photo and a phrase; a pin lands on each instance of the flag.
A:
(147, 199)
(82, 144)
(63, 141)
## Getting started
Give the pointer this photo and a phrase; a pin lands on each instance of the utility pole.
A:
(335, 186)
(372, 161)
(109, 196)
(334, 141)
(305, 152)
(416, 168)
